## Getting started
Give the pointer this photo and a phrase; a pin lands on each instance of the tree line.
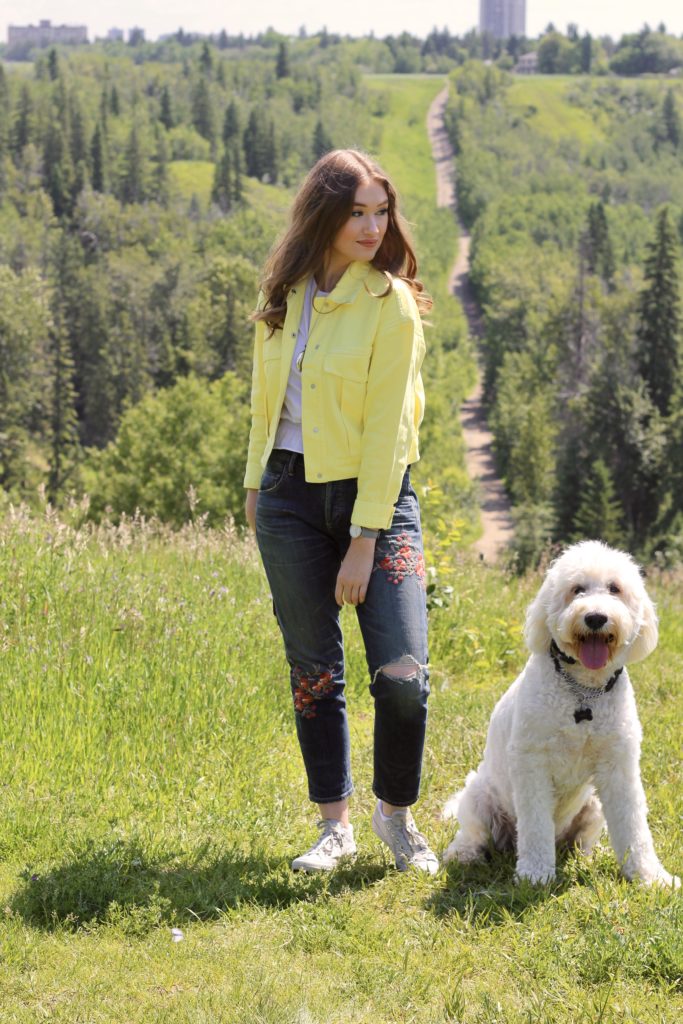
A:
(649, 51)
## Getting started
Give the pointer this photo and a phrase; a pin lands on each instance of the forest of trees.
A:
(576, 263)
(138, 201)
(133, 221)
(142, 186)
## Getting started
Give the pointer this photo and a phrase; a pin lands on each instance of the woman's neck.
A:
(329, 277)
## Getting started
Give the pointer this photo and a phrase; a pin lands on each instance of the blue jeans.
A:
(302, 531)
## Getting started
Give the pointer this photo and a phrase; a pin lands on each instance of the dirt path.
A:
(494, 503)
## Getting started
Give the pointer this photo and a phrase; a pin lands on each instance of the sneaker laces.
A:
(331, 833)
(404, 831)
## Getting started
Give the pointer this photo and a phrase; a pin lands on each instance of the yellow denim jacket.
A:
(362, 393)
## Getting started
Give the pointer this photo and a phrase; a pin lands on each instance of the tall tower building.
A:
(502, 18)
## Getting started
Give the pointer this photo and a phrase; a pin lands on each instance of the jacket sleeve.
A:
(393, 408)
(259, 417)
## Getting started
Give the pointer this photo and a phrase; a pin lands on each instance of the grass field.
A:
(151, 781)
(553, 115)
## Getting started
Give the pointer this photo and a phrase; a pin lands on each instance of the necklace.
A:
(312, 292)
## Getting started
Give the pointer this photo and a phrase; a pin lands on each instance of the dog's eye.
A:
(614, 588)
(578, 589)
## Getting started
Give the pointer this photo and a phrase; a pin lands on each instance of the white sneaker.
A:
(409, 847)
(336, 841)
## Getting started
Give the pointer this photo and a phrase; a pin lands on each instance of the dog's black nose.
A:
(594, 620)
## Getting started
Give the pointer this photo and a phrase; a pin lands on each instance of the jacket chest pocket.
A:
(349, 366)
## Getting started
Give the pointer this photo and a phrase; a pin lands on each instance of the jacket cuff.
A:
(372, 514)
(252, 477)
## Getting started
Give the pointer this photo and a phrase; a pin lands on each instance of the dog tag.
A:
(583, 714)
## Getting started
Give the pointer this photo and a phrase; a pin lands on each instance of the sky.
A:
(349, 17)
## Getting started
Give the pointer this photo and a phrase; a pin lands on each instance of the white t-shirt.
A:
(289, 433)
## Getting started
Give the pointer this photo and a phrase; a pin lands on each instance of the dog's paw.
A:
(461, 852)
(664, 880)
(538, 874)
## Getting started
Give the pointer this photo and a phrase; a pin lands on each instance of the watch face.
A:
(355, 531)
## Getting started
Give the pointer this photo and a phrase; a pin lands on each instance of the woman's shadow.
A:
(121, 884)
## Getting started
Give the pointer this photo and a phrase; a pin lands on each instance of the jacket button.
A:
(312, 387)
(319, 475)
(316, 430)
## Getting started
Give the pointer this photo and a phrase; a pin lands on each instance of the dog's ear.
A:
(536, 632)
(648, 634)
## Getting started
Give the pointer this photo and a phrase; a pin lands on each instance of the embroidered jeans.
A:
(302, 531)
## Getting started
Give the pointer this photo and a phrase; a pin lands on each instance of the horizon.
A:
(387, 17)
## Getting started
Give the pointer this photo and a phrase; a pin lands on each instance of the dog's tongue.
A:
(593, 652)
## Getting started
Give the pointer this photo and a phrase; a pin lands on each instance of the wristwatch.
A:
(362, 531)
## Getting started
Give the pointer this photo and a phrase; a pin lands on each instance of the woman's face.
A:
(362, 235)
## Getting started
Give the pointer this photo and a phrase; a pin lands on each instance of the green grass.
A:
(544, 100)
(404, 152)
(192, 178)
(151, 781)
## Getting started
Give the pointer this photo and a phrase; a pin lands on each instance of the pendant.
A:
(583, 714)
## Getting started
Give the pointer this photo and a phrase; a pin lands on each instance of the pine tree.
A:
(256, 144)
(205, 59)
(282, 66)
(132, 183)
(202, 110)
(22, 132)
(237, 184)
(322, 143)
(599, 251)
(222, 191)
(166, 109)
(77, 135)
(104, 113)
(57, 170)
(659, 313)
(97, 161)
(231, 123)
(586, 54)
(160, 170)
(53, 64)
(672, 119)
(599, 515)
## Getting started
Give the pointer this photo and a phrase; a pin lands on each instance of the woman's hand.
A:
(354, 574)
(250, 508)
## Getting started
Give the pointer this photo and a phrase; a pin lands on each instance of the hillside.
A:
(152, 782)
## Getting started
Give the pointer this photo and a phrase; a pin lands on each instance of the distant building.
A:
(115, 35)
(25, 37)
(527, 64)
(502, 18)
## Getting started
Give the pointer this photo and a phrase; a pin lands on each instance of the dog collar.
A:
(586, 697)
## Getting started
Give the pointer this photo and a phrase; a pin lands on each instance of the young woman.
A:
(337, 400)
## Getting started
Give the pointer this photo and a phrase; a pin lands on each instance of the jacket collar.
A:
(352, 280)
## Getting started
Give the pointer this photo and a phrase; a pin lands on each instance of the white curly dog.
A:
(563, 746)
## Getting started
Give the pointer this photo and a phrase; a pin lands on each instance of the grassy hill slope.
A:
(152, 781)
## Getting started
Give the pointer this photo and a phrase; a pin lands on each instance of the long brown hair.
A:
(321, 208)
